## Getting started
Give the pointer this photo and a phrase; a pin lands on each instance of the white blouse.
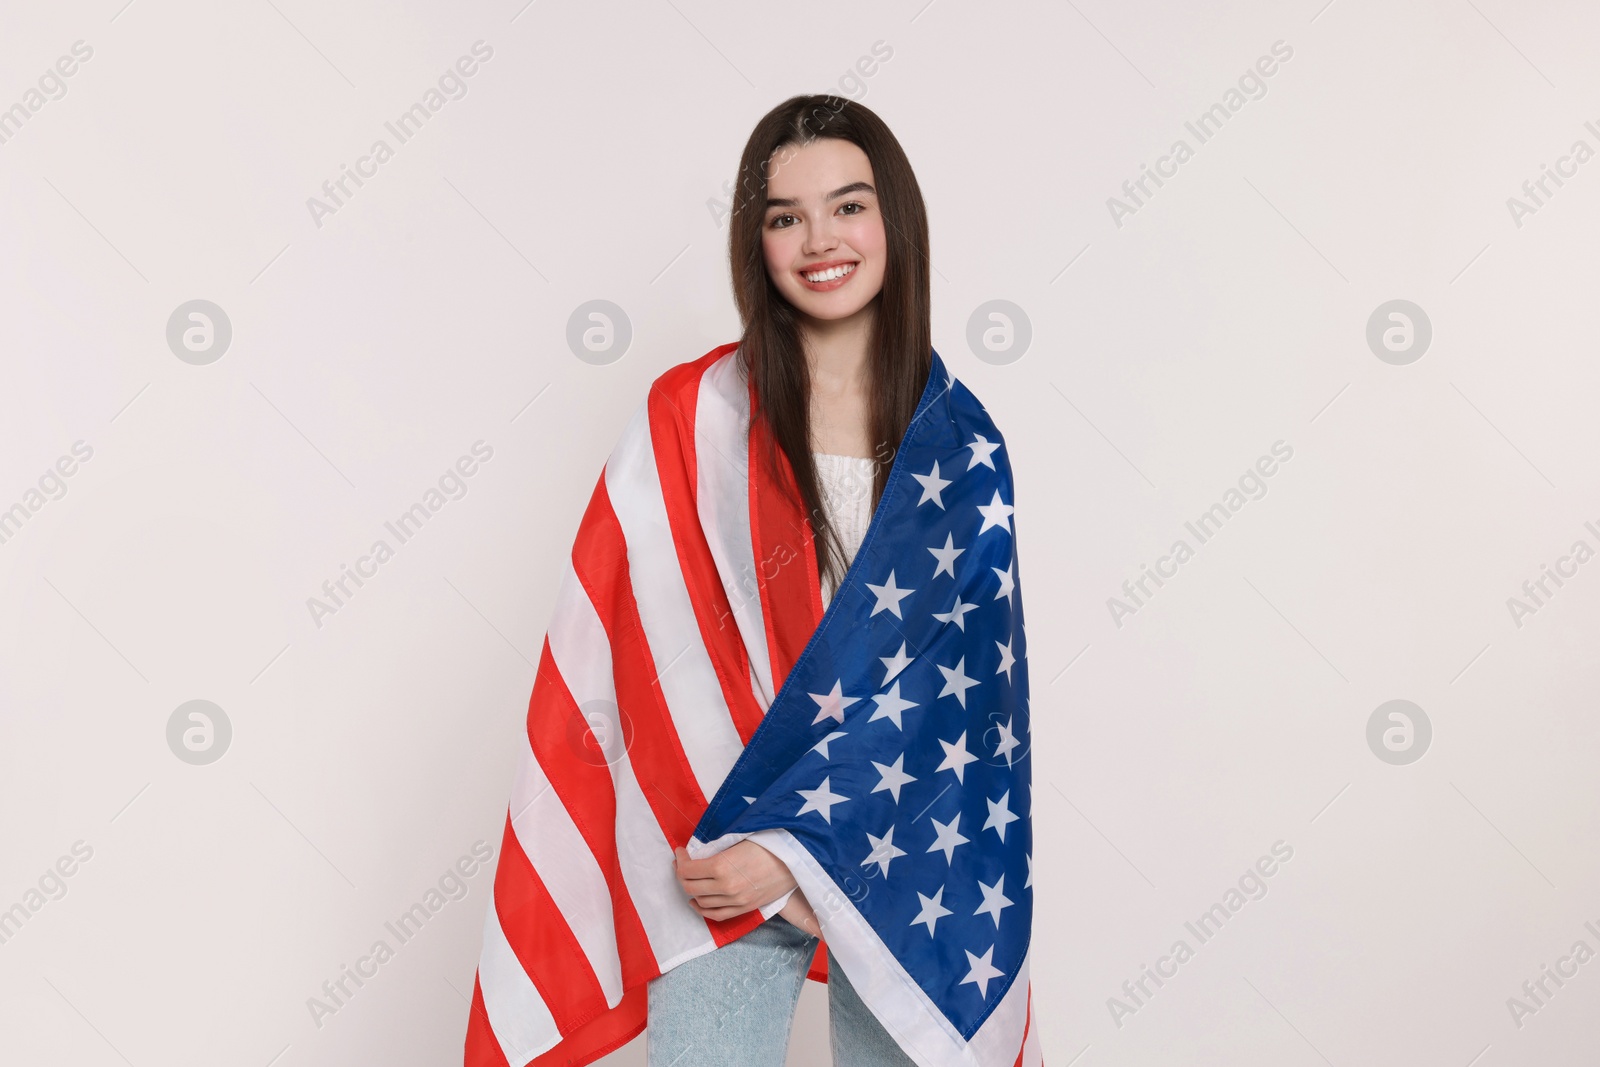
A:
(846, 484)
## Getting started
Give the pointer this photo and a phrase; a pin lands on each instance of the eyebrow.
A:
(843, 190)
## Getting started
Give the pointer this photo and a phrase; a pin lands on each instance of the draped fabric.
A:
(692, 690)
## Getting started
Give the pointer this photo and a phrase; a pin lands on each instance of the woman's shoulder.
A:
(681, 380)
(971, 415)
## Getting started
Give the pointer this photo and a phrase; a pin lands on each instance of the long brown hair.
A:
(770, 349)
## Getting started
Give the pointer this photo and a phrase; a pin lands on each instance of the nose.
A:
(820, 237)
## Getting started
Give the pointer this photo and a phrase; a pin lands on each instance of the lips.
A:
(830, 275)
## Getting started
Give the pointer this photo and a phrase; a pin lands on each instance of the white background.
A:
(1167, 354)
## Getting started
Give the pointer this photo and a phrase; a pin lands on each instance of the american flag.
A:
(693, 691)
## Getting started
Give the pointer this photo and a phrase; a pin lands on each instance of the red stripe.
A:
(672, 432)
(818, 971)
(786, 563)
(1028, 1022)
(606, 1033)
(483, 1048)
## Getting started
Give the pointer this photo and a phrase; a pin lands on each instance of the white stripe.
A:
(582, 654)
(722, 459)
(687, 680)
(518, 1016)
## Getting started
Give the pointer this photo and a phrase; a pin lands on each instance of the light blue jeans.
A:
(734, 1006)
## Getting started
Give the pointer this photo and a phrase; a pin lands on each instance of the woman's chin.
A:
(832, 311)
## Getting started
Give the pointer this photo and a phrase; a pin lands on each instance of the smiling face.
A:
(822, 236)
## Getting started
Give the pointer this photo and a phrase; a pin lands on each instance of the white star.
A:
(893, 776)
(822, 746)
(883, 850)
(993, 899)
(946, 557)
(890, 705)
(1007, 742)
(820, 800)
(1006, 659)
(995, 514)
(749, 800)
(956, 757)
(1000, 815)
(1029, 882)
(895, 664)
(981, 971)
(956, 680)
(949, 837)
(831, 705)
(982, 451)
(956, 614)
(932, 486)
(932, 910)
(889, 596)
(1008, 582)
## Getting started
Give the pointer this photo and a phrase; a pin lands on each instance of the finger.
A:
(734, 904)
(699, 887)
(688, 865)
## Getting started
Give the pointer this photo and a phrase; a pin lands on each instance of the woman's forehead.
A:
(816, 169)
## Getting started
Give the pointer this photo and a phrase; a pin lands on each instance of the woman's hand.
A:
(798, 912)
(738, 879)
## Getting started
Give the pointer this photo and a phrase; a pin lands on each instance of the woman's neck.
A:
(836, 355)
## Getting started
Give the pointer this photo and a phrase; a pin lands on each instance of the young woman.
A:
(829, 255)
(760, 536)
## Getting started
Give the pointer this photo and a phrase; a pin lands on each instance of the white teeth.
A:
(830, 274)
